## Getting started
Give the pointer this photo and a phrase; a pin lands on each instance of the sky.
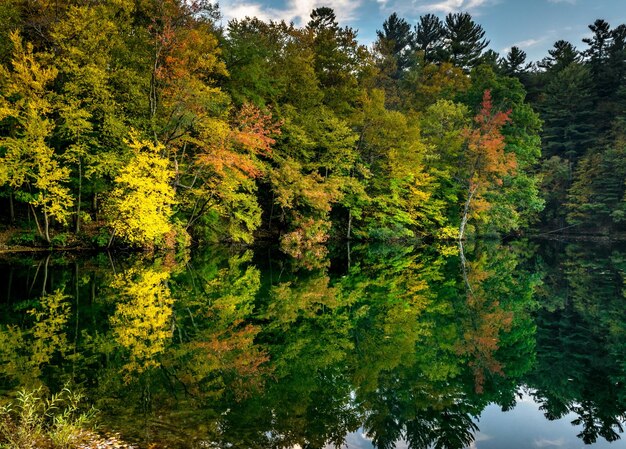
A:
(532, 25)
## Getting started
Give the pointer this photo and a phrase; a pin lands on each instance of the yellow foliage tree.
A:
(140, 205)
(29, 164)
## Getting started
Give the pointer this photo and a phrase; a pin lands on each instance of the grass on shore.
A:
(58, 421)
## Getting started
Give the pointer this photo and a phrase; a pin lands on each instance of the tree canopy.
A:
(296, 133)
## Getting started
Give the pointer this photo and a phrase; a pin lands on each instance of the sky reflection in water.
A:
(524, 427)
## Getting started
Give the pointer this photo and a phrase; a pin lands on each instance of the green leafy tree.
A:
(400, 189)
(426, 84)
(443, 127)
(98, 96)
(253, 53)
(338, 61)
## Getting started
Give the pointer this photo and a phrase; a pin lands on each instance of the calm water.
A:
(366, 347)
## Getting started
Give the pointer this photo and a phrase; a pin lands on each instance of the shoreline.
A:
(7, 249)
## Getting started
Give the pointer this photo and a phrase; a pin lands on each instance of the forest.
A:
(145, 123)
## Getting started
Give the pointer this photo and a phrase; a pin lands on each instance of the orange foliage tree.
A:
(486, 162)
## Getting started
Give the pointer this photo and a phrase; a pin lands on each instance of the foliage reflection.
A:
(257, 350)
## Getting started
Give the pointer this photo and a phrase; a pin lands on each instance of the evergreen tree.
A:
(430, 33)
(596, 197)
(491, 59)
(606, 62)
(597, 54)
(464, 40)
(560, 56)
(398, 39)
(338, 59)
(567, 109)
(514, 63)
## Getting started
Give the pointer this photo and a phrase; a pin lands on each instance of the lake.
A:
(368, 346)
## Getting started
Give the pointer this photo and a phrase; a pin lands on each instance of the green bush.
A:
(60, 239)
(101, 239)
(27, 238)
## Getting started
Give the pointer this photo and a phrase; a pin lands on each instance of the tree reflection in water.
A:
(257, 350)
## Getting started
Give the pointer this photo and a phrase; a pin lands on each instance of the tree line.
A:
(144, 123)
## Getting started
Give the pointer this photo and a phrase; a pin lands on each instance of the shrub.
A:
(34, 421)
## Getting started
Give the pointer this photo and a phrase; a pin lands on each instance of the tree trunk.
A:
(46, 226)
(464, 269)
(470, 194)
(10, 285)
(11, 208)
(80, 185)
(32, 285)
(466, 209)
(269, 223)
(154, 96)
(349, 224)
(94, 206)
(111, 240)
(76, 292)
(39, 230)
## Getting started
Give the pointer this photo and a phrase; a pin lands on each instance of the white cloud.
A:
(297, 11)
(239, 10)
(571, 2)
(447, 6)
(435, 6)
(541, 443)
(528, 43)
(480, 437)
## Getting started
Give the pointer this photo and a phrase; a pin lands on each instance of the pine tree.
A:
(464, 40)
(398, 39)
(560, 56)
(430, 33)
(514, 64)
(567, 110)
